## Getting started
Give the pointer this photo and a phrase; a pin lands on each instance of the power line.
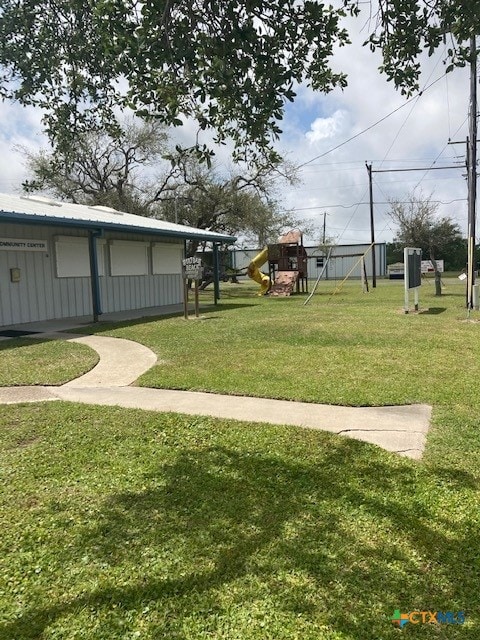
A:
(445, 147)
(357, 204)
(357, 135)
(416, 98)
(345, 187)
(409, 160)
(416, 169)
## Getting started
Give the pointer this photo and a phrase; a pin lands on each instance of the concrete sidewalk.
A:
(400, 429)
(121, 362)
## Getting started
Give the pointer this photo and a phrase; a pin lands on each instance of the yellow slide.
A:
(254, 272)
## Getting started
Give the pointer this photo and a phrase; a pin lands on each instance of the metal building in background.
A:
(344, 260)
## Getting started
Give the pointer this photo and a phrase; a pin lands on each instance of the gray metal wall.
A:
(41, 295)
(243, 257)
(338, 267)
(344, 261)
(122, 293)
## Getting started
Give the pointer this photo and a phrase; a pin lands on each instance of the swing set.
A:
(363, 270)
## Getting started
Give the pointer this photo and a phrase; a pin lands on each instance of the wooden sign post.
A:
(192, 270)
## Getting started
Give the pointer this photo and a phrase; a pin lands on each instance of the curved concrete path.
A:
(121, 362)
(400, 429)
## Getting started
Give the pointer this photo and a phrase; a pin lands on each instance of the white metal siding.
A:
(41, 295)
(343, 262)
(121, 293)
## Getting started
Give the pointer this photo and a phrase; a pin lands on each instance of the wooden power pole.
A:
(472, 172)
(372, 225)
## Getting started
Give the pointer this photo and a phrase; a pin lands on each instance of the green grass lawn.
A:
(350, 349)
(129, 524)
(34, 361)
(124, 524)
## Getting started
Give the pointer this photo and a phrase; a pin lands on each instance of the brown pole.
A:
(185, 298)
(197, 309)
(372, 226)
(472, 172)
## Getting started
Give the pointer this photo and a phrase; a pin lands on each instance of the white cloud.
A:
(21, 127)
(326, 128)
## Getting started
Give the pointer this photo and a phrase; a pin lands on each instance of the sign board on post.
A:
(192, 270)
(413, 273)
(427, 266)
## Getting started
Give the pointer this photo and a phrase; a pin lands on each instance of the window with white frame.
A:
(128, 258)
(72, 257)
(167, 258)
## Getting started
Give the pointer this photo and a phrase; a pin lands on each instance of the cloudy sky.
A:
(332, 136)
(335, 179)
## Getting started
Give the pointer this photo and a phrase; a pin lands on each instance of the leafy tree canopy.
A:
(406, 28)
(230, 65)
(118, 170)
(419, 226)
(244, 204)
(135, 170)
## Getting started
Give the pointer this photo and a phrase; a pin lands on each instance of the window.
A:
(320, 262)
(128, 258)
(72, 257)
(167, 258)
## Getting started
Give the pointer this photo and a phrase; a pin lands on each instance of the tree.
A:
(404, 29)
(133, 170)
(231, 65)
(242, 203)
(419, 227)
(455, 255)
(118, 170)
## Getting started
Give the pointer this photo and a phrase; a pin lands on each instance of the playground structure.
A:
(287, 266)
(253, 272)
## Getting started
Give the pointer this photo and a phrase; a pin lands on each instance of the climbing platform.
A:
(287, 266)
(285, 282)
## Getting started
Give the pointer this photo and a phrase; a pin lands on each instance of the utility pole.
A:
(324, 227)
(372, 227)
(472, 173)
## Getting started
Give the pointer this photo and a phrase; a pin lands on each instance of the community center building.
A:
(60, 260)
